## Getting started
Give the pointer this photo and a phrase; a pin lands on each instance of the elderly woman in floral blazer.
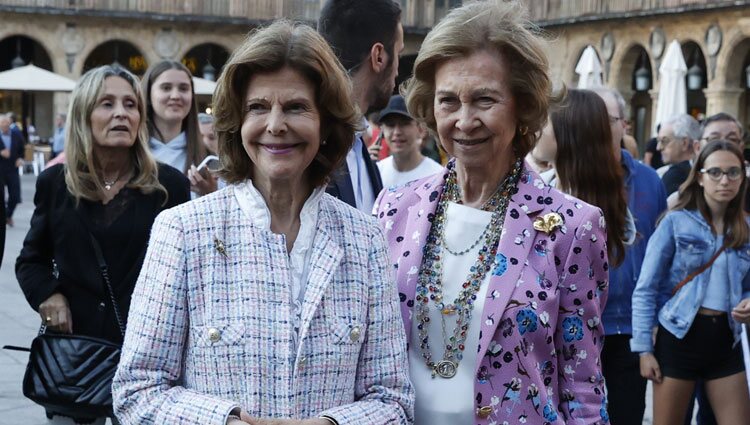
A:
(269, 301)
(502, 278)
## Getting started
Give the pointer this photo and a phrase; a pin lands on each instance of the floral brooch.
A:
(548, 223)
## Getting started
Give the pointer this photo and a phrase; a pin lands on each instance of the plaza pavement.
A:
(19, 324)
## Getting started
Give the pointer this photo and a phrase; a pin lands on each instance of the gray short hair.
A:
(685, 126)
(622, 106)
(205, 118)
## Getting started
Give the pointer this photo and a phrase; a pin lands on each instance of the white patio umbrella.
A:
(203, 86)
(672, 91)
(589, 69)
(33, 78)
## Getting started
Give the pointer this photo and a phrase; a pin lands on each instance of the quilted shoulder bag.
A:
(72, 374)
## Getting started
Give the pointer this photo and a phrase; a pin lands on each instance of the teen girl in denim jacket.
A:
(699, 323)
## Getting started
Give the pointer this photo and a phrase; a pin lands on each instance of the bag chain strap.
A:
(105, 276)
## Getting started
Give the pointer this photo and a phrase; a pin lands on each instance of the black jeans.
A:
(13, 183)
(626, 388)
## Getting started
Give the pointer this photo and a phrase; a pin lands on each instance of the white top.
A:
(451, 401)
(364, 195)
(392, 177)
(172, 153)
(251, 202)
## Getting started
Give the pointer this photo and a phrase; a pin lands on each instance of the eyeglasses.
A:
(716, 173)
(664, 141)
(735, 140)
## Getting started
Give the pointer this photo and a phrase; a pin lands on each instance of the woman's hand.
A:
(202, 184)
(650, 368)
(55, 313)
(741, 313)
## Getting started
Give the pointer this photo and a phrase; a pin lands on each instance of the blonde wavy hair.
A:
(80, 177)
(267, 50)
(495, 26)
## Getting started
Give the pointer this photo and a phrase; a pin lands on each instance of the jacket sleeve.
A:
(34, 264)
(654, 276)
(579, 333)
(146, 388)
(382, 389)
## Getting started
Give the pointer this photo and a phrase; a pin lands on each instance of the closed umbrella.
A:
(589, 69)
(672, 91)
(33, 78)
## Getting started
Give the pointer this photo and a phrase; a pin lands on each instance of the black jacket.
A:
(16, 151)
(60, 232)
(341, 183)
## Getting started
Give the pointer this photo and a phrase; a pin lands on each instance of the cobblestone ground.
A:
(19, 324)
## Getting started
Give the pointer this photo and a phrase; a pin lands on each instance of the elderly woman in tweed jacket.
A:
(269, 302)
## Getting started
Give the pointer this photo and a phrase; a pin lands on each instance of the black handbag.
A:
(72, 374)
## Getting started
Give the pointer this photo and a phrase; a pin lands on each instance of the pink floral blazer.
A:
(541, 334)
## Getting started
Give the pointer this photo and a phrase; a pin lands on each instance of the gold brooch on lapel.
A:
(219, 245)
(548, 223)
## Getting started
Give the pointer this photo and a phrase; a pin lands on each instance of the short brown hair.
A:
(496, 26)
(295, 45)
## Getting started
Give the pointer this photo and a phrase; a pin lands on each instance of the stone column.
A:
(723, 99)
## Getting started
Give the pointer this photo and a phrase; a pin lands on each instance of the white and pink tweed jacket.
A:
(210, 324)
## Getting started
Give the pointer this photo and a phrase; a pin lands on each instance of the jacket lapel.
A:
(415, 237)
(515, 244)
(324, 264)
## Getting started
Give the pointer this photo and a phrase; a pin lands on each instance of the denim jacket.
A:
(682, 243)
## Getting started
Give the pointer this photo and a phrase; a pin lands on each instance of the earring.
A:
(523, 130)
(324, 143)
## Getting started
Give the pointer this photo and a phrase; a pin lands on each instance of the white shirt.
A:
(451, 401)
(251, 202)
(364, 195)
(172, 153)
(392, 177)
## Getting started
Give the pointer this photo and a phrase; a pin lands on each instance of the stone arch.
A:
(692, 52)
(103, 52)
(639, 102)
(200, 55)
(734, 60)
(31, 107)
(32, 51)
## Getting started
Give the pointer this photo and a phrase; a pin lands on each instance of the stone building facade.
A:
(70, 36)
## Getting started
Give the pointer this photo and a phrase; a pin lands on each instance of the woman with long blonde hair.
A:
(107, 194)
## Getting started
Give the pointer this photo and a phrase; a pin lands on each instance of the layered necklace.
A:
(430, 283)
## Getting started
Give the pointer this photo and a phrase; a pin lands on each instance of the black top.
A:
(675, 176)
(341, 183)
(59, 235)
(656, 161)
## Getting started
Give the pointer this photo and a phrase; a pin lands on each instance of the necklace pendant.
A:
(107, 186)
(445, 369)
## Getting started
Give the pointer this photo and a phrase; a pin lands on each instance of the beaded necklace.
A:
(430, 285)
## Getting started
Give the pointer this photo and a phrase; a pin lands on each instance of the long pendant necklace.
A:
(430, 285)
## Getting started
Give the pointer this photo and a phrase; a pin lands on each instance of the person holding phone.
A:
(172, 117)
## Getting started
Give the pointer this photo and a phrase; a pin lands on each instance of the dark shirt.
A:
(656, 161)
(675, 176)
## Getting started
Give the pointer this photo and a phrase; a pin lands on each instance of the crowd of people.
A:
(270, 265)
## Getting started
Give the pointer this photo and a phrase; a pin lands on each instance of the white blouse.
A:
(451, 401)
(251, 203)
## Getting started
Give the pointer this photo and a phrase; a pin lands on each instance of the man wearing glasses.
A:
(676, 140)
